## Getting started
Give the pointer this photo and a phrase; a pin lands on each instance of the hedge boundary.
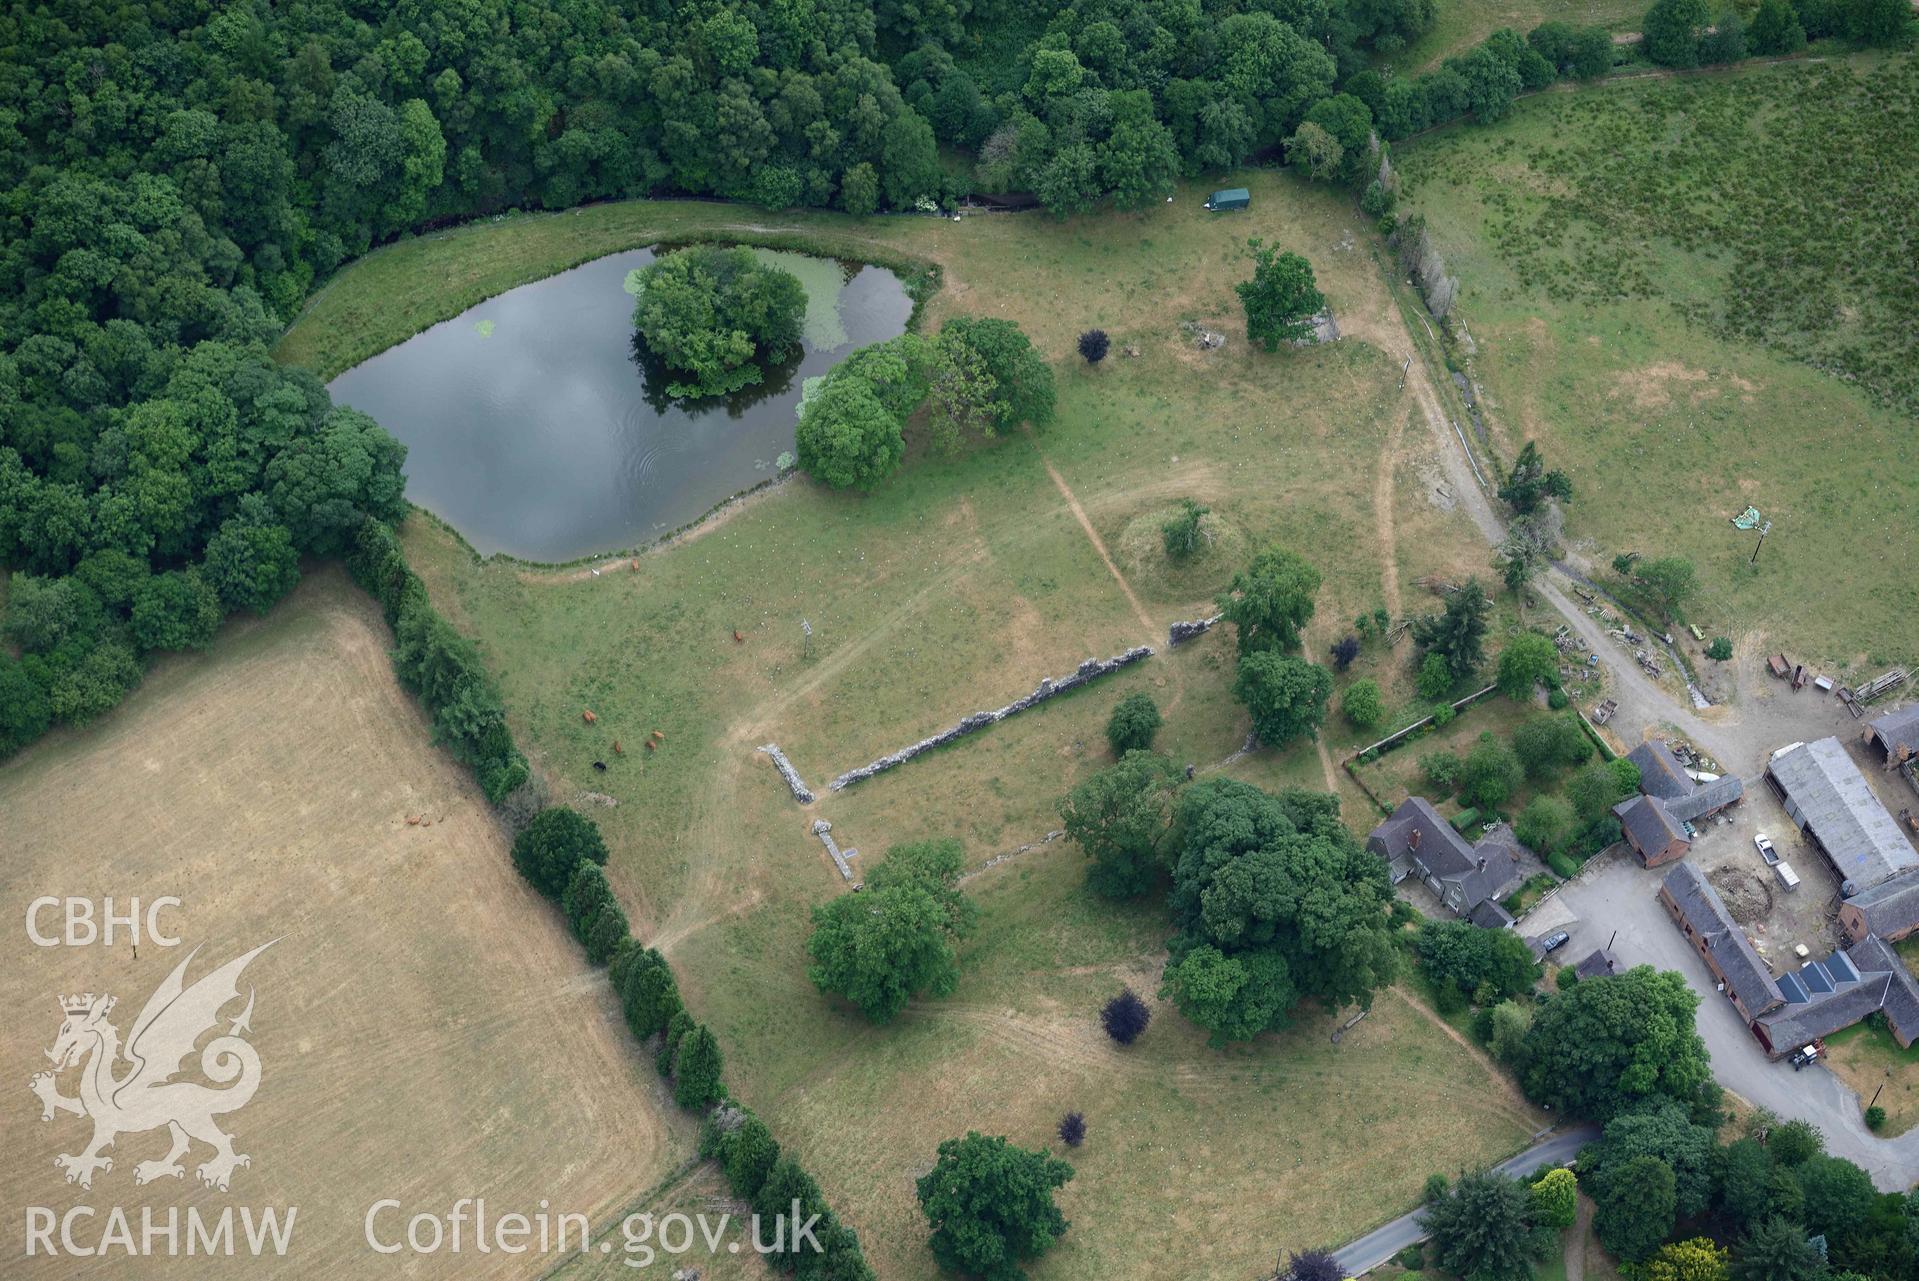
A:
(560, 852)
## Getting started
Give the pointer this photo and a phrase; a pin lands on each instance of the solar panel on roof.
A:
(1792, 989)
(1815, 976)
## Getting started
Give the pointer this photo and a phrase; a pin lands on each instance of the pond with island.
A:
(537, 426)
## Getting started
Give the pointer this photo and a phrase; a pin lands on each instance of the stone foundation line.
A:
(1091, 669)
(824, 830)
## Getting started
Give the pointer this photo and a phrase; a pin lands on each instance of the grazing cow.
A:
(589, 718)
(413, 820)
(659, 736)
(650, 744)
(636, 562)
(616, 748)
(737, 638)
(600, 766)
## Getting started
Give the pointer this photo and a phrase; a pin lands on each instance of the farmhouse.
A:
(1895, 736)
(1830, 800)
(1802, 1005)
(1469, 879)
(1655, 821)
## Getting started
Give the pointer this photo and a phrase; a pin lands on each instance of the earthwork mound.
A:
(1141, 552)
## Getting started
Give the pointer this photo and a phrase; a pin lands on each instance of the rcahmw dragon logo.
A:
(145, 1097)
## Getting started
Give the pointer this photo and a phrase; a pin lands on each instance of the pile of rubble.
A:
(1091, 669)
(801, 792)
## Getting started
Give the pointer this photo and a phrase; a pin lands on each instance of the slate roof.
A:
(1898, 729)
(1703, 909)
(1823, 1014)
(1445, 853)
(1393, 839)
(1489, 914)
(1597, 966)
(1902, 990)
(1890, 907)
(1826, 791)
(1648, 823)
(1705, 798)
(1660, 773)
(1824, 996)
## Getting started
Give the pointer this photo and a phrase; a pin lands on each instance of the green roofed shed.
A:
(1231, 198)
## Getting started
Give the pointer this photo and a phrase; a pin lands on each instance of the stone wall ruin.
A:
(801, 792)
(1090, 670)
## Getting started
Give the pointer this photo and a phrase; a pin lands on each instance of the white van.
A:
(1787, 877)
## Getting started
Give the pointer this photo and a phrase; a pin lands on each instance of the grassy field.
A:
(427, 1028)
(957, 586)
(1866, 1059)
(1461, 24)
(1692, 293)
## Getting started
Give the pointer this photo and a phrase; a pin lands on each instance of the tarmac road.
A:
(1382, 1243)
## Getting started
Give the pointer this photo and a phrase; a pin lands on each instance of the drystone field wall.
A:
(1180, 633)
(801, 792)
(1090, 670)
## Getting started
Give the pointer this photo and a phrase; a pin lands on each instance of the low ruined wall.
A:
(824, 830)
(801, 793)
(1180, 633)
(1091, 669)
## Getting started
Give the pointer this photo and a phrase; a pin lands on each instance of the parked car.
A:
(1553, 942)
(1766, 850)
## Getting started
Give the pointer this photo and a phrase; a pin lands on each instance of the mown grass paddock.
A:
(427, 1028)
(1692, 292)
(953, 588)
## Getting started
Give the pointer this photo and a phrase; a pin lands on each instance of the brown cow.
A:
(589, 718)
(650, 745)
(737, 638)
(616, 748)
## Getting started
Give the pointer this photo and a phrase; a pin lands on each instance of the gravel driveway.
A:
(1618, 898)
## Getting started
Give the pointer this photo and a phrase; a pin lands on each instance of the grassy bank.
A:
(956, 586)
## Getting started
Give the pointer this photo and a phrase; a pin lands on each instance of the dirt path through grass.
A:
(1503, 1082)
(1575, 1242)
(1099, 545)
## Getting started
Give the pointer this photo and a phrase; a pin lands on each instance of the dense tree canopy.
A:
(1281, 298)
(1270, 600)
(1483, 1227)
(1599, 1048)
(894, 940)
(180, 180)
(1274, 901)
(1122, 817)
(717, 317)
(1286, 695)
(1458, 633)
(990, 1205)
(1497, 963)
